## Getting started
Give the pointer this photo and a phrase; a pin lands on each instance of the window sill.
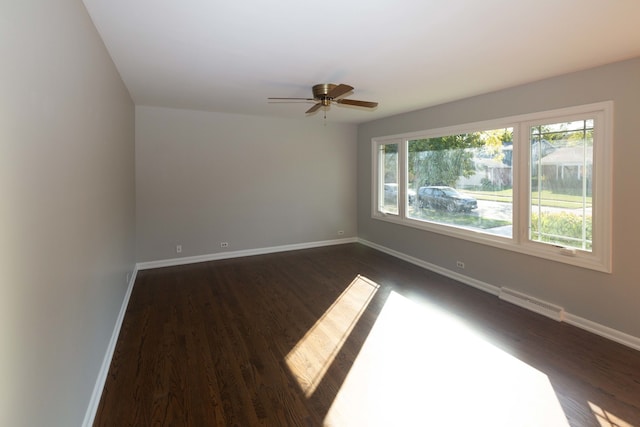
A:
(577, 258)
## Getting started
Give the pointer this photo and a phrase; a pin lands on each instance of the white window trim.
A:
(598, 259)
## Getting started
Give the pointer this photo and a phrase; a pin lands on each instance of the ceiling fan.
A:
(326, 93)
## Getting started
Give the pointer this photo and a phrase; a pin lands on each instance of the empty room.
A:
(363, 213)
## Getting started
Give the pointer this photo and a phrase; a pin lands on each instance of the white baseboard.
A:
(92, 409)
(588, 325)
(494, 290)
(242, 253)
(603, 331)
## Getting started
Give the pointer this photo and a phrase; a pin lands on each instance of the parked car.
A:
(411, 194)
(441, 197)
(391, 193)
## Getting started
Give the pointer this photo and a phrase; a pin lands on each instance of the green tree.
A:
(442, 160)
(565, 133)
(390, 155)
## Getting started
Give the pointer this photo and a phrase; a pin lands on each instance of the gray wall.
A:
(67, 209)
(203, 178)
(608, 299)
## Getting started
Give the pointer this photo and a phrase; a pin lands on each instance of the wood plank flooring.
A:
(348, 336)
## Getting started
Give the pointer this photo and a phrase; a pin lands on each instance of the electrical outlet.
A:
(460, 264)
(178, 249)
(224, 244)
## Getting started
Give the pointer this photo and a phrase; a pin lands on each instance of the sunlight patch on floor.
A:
(422, 366)
(314, 353)
(607, 419)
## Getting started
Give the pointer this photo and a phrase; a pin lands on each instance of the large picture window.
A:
(463, 180)
(538, 184)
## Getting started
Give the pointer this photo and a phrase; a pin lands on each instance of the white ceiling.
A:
(229, 56)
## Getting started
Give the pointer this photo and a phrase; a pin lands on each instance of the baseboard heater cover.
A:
(525, 301)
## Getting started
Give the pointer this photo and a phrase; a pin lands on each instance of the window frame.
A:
(599, 258)
(380, 190)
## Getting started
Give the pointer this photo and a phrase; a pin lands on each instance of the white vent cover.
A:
(525, 301)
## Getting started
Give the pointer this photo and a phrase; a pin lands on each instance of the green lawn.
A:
(547, 198)
(461, 219)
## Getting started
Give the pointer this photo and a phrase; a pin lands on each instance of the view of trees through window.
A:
(466, 180)
(561, 183)
(388, 194)
(463, 180)
(531, 183)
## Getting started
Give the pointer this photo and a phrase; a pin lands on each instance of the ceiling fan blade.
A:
(314, 108)
(289, 101)
(357, 103)
(300, 99)
(339, 90)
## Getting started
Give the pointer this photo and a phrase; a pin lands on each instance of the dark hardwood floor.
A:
(349, 336)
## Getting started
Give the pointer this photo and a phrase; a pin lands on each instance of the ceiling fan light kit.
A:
(326, 93)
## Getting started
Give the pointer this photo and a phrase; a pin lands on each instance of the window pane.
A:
(561, 184)
(388, 179)
(463, 180)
